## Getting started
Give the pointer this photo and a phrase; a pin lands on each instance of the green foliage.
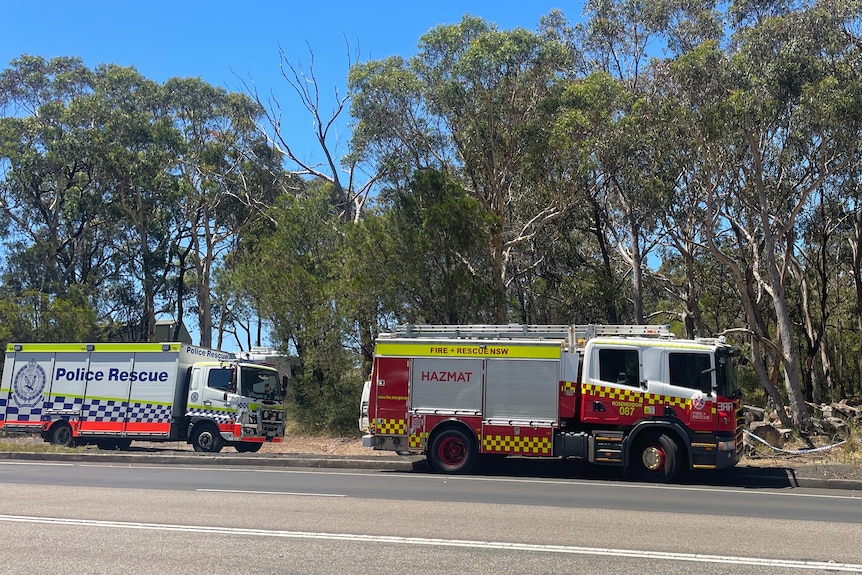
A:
(34, 317)
(575, 174)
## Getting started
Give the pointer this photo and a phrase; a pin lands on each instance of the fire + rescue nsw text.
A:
(477, 350)
(114, 374)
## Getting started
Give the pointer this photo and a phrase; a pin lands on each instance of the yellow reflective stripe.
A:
(469, 349)
(56, 347)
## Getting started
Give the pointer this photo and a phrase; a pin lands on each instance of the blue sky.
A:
(226, 43)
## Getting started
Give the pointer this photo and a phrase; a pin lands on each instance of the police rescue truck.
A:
(626, 396)
(111, 394)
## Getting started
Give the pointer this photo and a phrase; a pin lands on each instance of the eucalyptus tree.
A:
(351, 180)
(771, 138)
(812, 266)
(49, 198)
(466, 103)
(134, 150)
(632, 181)
(291, 266)
(219, 146)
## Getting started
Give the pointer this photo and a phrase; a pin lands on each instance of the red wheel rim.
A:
(451, 451)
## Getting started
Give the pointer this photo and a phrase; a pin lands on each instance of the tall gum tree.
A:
(218, 131)
(473, 93)
(47, 186)
(135, 148)
(620, 40)
(785, 141)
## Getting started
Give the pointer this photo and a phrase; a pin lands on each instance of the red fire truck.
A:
(631, 396)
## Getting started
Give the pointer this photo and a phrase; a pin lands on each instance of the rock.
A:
(837, 425)
(753, 414)
(768, 433)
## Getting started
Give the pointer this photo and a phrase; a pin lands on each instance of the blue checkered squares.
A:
(149, 413)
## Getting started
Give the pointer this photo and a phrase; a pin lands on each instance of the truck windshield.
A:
(727, 372)
(260, 383)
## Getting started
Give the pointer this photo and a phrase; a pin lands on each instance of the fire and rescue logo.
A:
(28, 385)
(698, 401)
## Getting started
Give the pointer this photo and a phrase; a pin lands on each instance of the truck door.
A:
(218, 391)
(67, 398)
(690, 379)
(153, 394)
(107, 393)
(612, 391)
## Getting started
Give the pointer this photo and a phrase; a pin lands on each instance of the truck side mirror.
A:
(285, 382)
(706, 383)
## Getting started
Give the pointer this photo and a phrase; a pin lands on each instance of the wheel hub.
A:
(653, 458)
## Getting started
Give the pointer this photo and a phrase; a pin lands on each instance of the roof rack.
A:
(572, 333)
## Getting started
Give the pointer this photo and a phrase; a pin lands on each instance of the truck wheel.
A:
(61, 434)
(452, 451)
(113, 444)
(206, 438)
(656, 458)
(248, 447)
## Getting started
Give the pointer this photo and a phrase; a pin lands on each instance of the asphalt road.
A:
(105, 517)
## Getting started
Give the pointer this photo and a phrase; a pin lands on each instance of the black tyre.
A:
(113, 444)
(656, 458)
(206, 438)
(247, 447)
(452, 451)
(61, 434)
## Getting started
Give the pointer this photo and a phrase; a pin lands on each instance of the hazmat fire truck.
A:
(630, 396)
(110, 394)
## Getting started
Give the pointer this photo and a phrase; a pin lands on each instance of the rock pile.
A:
(834, 420)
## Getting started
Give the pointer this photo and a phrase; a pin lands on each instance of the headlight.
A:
(727, 445)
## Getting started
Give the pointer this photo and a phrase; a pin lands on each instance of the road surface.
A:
(108, 518)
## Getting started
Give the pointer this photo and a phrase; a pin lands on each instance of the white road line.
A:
(241, 491)
(44, 464)
(420, 541)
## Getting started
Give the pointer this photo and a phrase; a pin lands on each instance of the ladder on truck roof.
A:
(573, 333)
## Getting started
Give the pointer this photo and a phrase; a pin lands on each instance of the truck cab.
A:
(235, 403)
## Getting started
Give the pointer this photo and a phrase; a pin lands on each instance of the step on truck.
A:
(111, 394)
(629, 396)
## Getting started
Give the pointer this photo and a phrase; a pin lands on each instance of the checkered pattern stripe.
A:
(418, 440)
(113, 410)
(103, 410)
(149, 413)
(618, 394)
(9, 410)
(569, 386)
(516, 444)
(216, 415)
(67, 403)
(391, 426)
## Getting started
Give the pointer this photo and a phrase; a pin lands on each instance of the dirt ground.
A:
(293, 443)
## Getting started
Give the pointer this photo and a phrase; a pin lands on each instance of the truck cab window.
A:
(620, 366)
(686, 370)
(261, 384)
(220, 379)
